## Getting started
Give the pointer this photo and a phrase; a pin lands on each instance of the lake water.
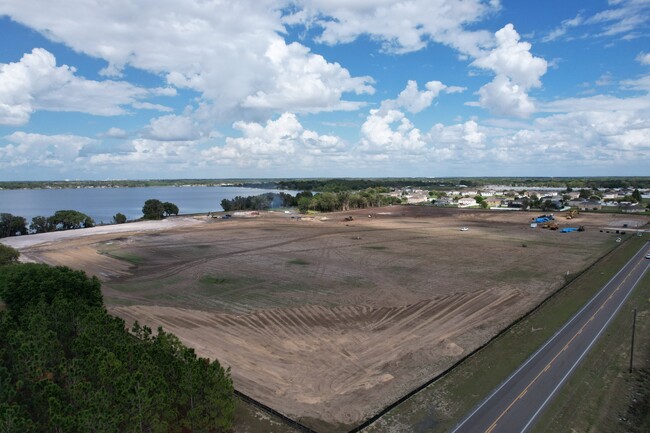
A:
(102, 203)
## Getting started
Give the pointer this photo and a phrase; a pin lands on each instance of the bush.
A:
(8, 255)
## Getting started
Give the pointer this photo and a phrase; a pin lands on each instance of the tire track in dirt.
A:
(355, 348)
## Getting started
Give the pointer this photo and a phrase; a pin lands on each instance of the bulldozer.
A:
(571, 214)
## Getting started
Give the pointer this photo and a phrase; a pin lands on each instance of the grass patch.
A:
(126, 256)
(250, 419)
(113, 250)
(447, 400)
(300, 262)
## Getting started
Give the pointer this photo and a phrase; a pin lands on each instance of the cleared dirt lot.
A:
(328, 321)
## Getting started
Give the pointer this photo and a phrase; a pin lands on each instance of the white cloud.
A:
(27, 149)
(229, 52)
(401, 26)
(306, 82)
(172, 128)
(517, 71)
(36, 83)
(563, 28)
(641, 83)
(150, 106)
(116, 133)
(279, 142)
(643, 58)
(413, 100)
(624, 18)
(390, 131)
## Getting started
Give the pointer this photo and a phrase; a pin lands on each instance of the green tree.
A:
(70, 220)
(226, 205)
(8, 256)
(170, 208)
(11, 225)
(119, 218)
(153, 209)
(25, 284)
(636, 194)
(304, 204)
(41, 224)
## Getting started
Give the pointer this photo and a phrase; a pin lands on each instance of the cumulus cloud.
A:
(517, 71)
(389, 131)
(41, 150)
(276, 143)
(401, 26)
(37, 83)
(172, 128)
(231, 53)
(306, 82)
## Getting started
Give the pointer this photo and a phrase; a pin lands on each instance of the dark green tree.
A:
(119, 218)
(41, 224)
(25, 284)
(226, 205)
(170, 208)
(153, 210)
(11, 225)
(70, 220)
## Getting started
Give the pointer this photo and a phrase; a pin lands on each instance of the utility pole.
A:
(632, 346)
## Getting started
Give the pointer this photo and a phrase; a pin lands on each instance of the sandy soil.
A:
(328, 321)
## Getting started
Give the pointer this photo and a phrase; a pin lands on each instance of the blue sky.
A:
(116, 89)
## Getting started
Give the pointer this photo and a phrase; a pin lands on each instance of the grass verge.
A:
(602, 395)
(440, 406)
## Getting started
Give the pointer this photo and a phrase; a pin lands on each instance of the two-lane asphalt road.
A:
(516, 403)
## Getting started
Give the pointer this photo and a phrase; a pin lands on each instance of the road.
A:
(516, 403)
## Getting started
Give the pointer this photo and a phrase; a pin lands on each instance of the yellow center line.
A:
(532, 382)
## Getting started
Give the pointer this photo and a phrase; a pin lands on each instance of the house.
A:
(494, 201)
(467, 202)
(487, 192)
(590, 205)
(444, 201)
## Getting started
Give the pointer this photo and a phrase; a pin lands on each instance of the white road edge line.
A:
(534, 355)
(575, 364)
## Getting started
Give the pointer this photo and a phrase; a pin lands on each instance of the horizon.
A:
(430, 89)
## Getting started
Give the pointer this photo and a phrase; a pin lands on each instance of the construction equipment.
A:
(571, 214)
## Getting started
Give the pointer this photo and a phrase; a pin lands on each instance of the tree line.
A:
(66, 365)
(306, 201)
(11, 225)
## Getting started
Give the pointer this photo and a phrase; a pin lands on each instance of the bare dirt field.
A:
(328, 321)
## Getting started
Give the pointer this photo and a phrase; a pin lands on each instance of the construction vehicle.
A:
(571, 214)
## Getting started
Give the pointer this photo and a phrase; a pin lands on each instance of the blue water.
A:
(102, 203)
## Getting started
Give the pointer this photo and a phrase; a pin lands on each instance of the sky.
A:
(122, 89)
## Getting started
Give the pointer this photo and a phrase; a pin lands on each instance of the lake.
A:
(102, 203)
